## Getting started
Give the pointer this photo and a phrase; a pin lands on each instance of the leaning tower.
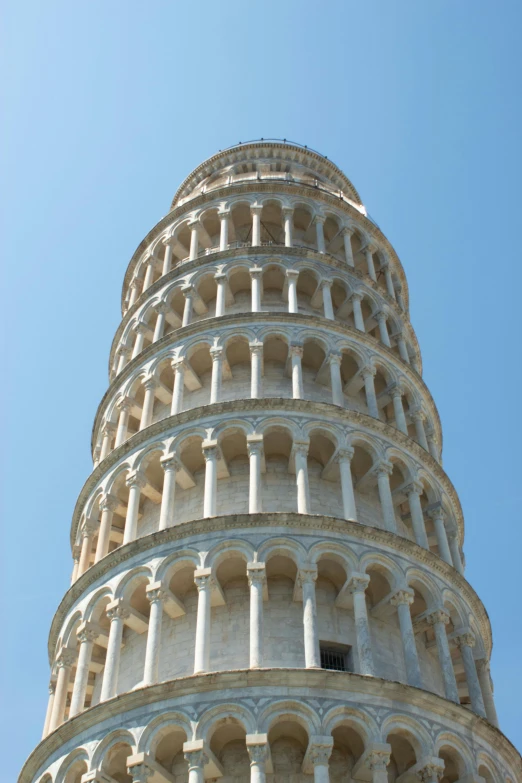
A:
(268, 579)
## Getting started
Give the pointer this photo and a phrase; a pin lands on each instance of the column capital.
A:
(432, 770)
(319, 219)
(90, 526)
(224, 214)
(318, 753)
(402, 597)
(347, 231)
(256, 574)
(255, 444)
(179, 363)
(357, 296)
(256, 347)
(437, 513)
(300, 447)
(66, 658)
(117, 609)
(335, 357)
(135, 478)
(134, 282)
(210, 449)
(383, 468)
(326, 283)
(188, 291)
(216, 352)
(140, 767)
(149, 382)
(287, 211)
(395, 390)
(414, 488)
(482, 665)
(295, 349)
(438, 616)
(122, 350)
(379, 759)
(417, 414)
(464, 639)
(203, 578)
(307, 574)
(255, 271)
(345, 455)
(256, 209)
(170, 462)
(87, 632)
(369, 248)
(292, 274)
(109, 503)
(140, 327)
(124, 404)
(368, 370)
(155, 592)
(382, 314)
(162, 308)
(358, 583)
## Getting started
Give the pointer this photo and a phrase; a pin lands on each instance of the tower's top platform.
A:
(268, 159)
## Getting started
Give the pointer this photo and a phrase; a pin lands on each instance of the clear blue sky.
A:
(107, 106)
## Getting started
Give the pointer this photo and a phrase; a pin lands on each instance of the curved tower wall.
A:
(268, 577)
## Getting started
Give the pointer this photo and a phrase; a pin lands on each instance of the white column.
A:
(224, 217)
(319, 233)
(256, 365)
(188, 292)
(124, 405)
(368, 252)
(383, 328)
(291, 276)
(307, 576)
(334, 360)
(256, 573)
(487, 690)
(87, 634)
(159, 330)
(402, 600)
(465, 642)
(221, 281)
(203, 580)
(149, 384)
(375, 760)
(384, 471)
(348, 253)
(140, 329)
(108, 505)
(76, 563)
(122, 353)
(455, 552)
(438, 621)
(89, 529)
(389, 281)
(216, 355)
(403, 351)
(194, 240)
(400, 300)
(418, 419)
(326, 286)
(107, 433)
(170, 466)
(64, 663)
(288, 218)
(400, 419)
(432, 445)
(256, 274)
(156, 596)
(179, 366)
(167, 258)
(117, 612)
(357, 585)
(255, 211)
(134, 285)
(196, 760)
(296, 355)
(437, 515)
(210, 453)
(344, 458)
(318, 757)
(368, 373)
(149, 273)
(255, 455)
(259, 753)
(135, 481)
(414, 491)
(49, 712)
(357, 311)
(300, 452)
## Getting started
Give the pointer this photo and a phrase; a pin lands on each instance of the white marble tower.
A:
(268, 577)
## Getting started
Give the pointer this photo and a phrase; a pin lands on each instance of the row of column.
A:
(354, 595)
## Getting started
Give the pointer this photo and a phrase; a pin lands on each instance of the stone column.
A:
(108, 505)
(307, 576)
(224, 218)
(210, 453)
(319, 233)
(487, 690)
(259, 753)
(76, 563)
(124, 406)
(398, 296)
(347, 238)
(438, 621)
(432, 771)
(149, 273)
(140, 329)
(256, 275)
(135, 284)
(300, 451)
(256, 211)
(418, 419)
(326, 286)
(64, 663)
(256, 573)
(179, 366)
(357, 585)
(256, 365)
(117, 612)
(376, 761)
(356, 298)
(465, 642)
(288, 218)
(402, 600)
(107, 433)
(296, 355)
(135, 482)
(196, 760)
(159, 330)
(384, 471)
(87, 634)
(344, 458)
(189, 293)
(49, 712)
(414, 491)
(221, 282)
(203, 580)
(122, 354)
(216, 354)
(291, 276)
(194, 240)
(403, 351)
(432, 445)
(89, 529)
(149, 384)
(389, 280)
(368, 252)
(170, 465)
(400, 419)
(368, 373)
(317, 758)
(167, 258)
(156, 596)
(381, 318)
(437, 515)
(255, 455)
(334, 360)
(455, 552)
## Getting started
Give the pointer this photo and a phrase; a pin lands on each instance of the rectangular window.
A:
(336, 657)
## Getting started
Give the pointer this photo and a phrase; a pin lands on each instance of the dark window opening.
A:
(336, 657)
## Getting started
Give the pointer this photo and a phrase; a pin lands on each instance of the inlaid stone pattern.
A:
(268, 570)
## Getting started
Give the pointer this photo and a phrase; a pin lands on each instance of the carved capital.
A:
(358, 583)
(65, 658)
(335, 357)
(135, 479)
(307, 575)
(296, 350)
(402, 597)
(117, 610)
(438, 616)
(256, 348)
(345, 455)
(466, 639)
(87, 632)
(170, 462)
(256, 573)
(109, 503)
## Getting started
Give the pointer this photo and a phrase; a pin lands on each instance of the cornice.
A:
(249, 320)
(283, 404)
(341, 685)
(267, 187)
(308, 522)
